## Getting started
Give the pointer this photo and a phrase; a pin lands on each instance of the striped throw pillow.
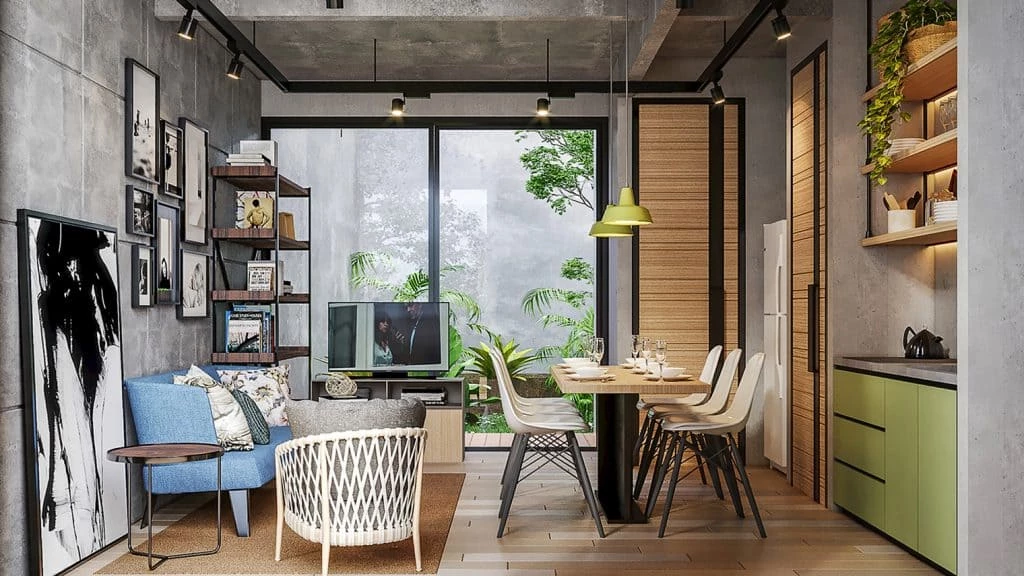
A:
(254, 416)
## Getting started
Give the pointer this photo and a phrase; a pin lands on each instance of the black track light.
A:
(543, 107)
(398, 107)
(780, 25)
(189, 22)
(717, 94)
(684, 4)
(335, 4)
(235, 67)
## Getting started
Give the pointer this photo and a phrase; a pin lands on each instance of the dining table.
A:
(616, 428)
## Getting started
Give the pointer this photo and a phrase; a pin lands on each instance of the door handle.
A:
(812, 328)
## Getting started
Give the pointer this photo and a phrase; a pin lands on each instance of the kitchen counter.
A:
(938, 371)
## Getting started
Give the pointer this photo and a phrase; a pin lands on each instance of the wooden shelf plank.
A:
(258, 238)
(928, 156)
(289, 352)
(928, 77)
(257, 296)
(282, 353)
(941, 233)
(258, 178)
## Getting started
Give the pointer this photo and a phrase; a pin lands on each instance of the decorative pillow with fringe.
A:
(228, 419)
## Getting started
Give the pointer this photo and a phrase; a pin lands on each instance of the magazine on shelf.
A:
(249, 328)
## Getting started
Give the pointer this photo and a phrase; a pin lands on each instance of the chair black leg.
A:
(676, 465)
(506, 476)
(509, 490)
(700, 467)
(581, 472)
(511, 451)
(712, 468)
(746, 484)
(641, 439)
(666, 447)
(653, 436)
(725, 461)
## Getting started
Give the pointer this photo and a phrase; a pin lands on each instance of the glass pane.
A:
(369, 217)
(516, 208)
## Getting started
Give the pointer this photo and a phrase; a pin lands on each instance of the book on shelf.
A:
(249, 328)
(267, 148)
(248, 159)
(429, 396)
(263, 276)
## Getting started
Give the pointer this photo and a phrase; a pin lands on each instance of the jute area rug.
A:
(255, 554)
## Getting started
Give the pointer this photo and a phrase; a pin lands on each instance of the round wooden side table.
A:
(149, 455)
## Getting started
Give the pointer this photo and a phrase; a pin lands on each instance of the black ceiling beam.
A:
(234, 36)
(422, 89)
(736, 40)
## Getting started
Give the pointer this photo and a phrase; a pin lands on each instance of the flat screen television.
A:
(387, 336)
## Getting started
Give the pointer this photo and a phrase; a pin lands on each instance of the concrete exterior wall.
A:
(990, 408)
(61, 93)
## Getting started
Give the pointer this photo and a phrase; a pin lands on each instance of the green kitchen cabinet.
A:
(936, 494)
(901, 461)
(860, 397)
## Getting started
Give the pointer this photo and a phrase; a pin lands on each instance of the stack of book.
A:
(250, 328)
(248, 159)
(429, 396)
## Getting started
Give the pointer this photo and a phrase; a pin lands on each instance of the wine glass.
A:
(660, 350)
(597, 349)
(645, 351)
(635, 348)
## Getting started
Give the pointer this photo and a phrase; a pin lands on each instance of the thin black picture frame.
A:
(181, 284)
(185, 124)
(174, 191)
(171, 295)
(137, 250)
(131, 65)
(36, 555)
(130, 191)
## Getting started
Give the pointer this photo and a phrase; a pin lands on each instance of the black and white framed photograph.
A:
(170, 153)
(141, 122)
(141, 211)
(142, 276)
(166, 253)
(71, 335)
(195, 283)
(195, 183)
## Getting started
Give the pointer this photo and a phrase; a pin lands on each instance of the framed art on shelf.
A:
(71, 366)
(170, 153)
(142, 276)
(167, 251)
(141, 122)
(141, 211)
(195, 182)
(261, 275)
(195, 281)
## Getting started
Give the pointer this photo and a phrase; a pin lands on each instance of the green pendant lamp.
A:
(627, 212)
(602, 229)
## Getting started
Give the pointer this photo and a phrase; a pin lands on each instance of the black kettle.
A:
(923, 345)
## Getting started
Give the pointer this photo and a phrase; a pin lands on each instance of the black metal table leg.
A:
(617, 424)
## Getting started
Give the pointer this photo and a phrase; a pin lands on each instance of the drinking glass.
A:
(660, 351)
(597, 349)
(645, 351)
(635, 349)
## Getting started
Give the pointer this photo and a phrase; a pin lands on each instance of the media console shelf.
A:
(445, 438)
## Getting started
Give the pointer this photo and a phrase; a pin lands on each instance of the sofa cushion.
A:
(308, 418)
(267, 386)
(228, 419)
(254, 417)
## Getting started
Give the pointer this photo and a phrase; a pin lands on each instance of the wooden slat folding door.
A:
(689, 262)
(808, 268)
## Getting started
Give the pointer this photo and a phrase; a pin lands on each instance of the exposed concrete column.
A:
(990, 408)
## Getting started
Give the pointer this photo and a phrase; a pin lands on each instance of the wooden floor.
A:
(489, 440)
(549, 533)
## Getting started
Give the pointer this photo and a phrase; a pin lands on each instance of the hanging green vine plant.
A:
(887, 53)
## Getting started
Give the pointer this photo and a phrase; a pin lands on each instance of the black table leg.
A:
(617, 424)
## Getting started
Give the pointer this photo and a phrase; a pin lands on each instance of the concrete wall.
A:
(61, 87)
(991, 363)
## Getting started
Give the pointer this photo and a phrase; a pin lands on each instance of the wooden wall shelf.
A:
(258, 178)
(929, 77)
(932, 154)
(283, 353)
(258, 238)
(941, 233)
(257, 296)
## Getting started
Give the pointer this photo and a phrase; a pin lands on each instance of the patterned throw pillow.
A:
(228, 419)
(267, 386)
(253, 415)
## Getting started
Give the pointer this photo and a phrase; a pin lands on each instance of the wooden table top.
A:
(625, 382)
(164, 453)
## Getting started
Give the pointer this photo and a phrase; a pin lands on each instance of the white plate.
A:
(605, 378)
(682, 378)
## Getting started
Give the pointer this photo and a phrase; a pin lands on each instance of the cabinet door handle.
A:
(812, 328)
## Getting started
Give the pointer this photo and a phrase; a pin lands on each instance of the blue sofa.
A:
(167, 412)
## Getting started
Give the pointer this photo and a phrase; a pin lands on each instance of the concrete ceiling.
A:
(479, 40)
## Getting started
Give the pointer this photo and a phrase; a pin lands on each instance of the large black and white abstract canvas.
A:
(71, 366)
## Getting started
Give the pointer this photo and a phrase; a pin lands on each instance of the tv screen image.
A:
(388, 336)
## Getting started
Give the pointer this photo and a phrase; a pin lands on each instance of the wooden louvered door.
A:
(689, 158)
(808, 269)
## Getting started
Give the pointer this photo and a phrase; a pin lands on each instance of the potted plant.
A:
(891, 61)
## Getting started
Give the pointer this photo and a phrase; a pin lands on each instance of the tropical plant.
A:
(565, 308)
(561, 168)
(887, 51)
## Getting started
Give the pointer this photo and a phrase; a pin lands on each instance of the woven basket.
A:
(926, 39)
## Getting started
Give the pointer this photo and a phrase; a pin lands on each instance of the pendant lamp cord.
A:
(374, 59)
(629, 142)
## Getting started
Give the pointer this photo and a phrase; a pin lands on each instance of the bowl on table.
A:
(575, 361)
(591, 371)
(671, 372)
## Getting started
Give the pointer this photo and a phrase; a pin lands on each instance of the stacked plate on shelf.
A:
(944, 211)
(903, 145)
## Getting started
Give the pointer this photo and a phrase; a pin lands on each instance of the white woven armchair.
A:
(363, 485)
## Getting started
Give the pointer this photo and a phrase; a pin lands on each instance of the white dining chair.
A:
(551, 438)
(726, 425)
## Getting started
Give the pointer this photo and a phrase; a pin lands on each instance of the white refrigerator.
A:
(776, 344)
